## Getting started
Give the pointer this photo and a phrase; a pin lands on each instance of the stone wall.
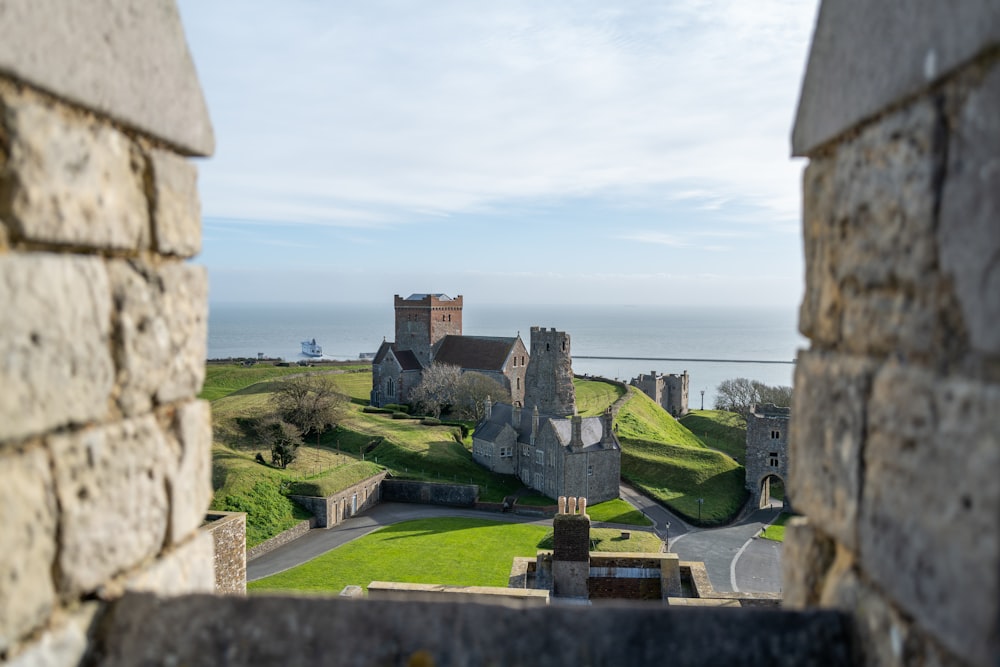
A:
(229, 538)
(105, 461)
(429, 493)
(281, 539)
(332, 510)
(767, 450)
(548, 380)
(895, 438)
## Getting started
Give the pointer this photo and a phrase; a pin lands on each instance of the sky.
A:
(558, 152)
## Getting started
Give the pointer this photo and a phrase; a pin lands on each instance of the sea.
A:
(711, 343)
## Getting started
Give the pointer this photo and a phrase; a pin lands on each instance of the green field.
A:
(617, 511)
(776, 531)
(460, 552)
(669, 463)
(725, 431)
(450, 551)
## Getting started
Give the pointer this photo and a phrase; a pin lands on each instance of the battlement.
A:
(549, 377)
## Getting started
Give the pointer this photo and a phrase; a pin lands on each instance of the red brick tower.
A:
(424, 319)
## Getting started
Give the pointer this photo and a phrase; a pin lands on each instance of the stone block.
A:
(176, 208)
(187, 568)
(190, 482)
(867, 56)
(112, 490)
(229, 534)
(162, 326)
(806, 556)
(55, 360)
(123, 58)
(71, 180)
(65, 643)
(968, 233)
(28, 536)
(826, 433)
(819, 315)
(928, 520)
(270, 630)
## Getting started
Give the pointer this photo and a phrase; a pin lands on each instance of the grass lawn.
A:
(725, 431)
(617, 511)
(776, 531)
(593, 397)
(223, 379)
(665, 460)
(453, 551)
(610, 539)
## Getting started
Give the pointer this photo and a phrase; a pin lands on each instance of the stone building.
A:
(767, 451)
(893, 447)
(429, 330)
(546, 444)
(668, 390)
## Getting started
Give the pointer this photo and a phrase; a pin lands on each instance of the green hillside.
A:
(665, 460)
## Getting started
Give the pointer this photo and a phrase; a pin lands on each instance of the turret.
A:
(549, 377)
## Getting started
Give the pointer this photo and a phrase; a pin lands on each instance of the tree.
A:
(471, 393)
(739, 395)
(282, 438)
(310, 403)
(437, 387)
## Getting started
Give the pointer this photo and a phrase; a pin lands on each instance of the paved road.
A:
(733, 557)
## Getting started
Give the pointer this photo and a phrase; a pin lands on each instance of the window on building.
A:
(539, 481)
(552, 460)
(506, 452)
(540, 456)
(546, 347)
(390, 388)
(775, 435)
(518, 382)
(590, 471)
(773, 456)
(522, 360)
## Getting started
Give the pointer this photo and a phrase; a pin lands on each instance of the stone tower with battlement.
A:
(548, 381)
(422, 320)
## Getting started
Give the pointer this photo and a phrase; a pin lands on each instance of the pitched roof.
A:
(407, 360)
(478, 353)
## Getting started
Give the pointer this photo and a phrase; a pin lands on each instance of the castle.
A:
(547, 445)
(668, 390)
(429, 330)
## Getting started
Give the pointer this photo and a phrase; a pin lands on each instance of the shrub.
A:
(372, 410)
(430, 421)
(400, 415)
(396, 407)
(461, 425)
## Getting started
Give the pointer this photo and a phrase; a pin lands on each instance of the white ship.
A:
(311, 348)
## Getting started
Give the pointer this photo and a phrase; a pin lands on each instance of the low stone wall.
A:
(293, 533)
(430, 493)
(393, 590)
(229, 536)
(332, 510)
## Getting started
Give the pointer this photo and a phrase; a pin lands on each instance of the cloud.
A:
(381, 113)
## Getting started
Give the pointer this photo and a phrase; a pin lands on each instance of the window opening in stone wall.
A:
(390, 388)
(540, 456)
(590, 471)
(518, 382)
(773, 456)
(546, 347)
(775, 435)
(539, 481)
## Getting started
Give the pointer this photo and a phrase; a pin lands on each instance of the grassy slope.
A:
(451, 551)
(223, 379)
(725, 431)
(594, 397)
(671, 464)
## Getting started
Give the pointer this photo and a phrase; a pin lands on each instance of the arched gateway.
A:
(767, 451)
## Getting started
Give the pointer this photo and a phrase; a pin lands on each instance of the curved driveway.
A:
(734, 558)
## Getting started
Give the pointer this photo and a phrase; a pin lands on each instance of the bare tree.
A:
(471, 393)
(310, 403)
(436, 390)
(739, 395)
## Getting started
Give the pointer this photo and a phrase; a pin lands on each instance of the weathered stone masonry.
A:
(767, 451)
(895, 442)
(104, 452)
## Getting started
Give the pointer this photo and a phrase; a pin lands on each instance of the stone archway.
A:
(765, 489)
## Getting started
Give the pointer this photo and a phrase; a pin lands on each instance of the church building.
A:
(546, 444)
(429, 330)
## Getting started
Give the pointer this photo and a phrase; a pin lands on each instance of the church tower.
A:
(548, 380)
(422, 320)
